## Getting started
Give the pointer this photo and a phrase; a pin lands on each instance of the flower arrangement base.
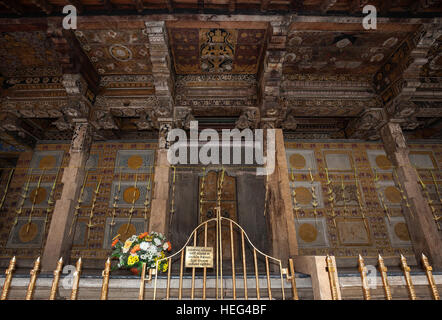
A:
(135, 271)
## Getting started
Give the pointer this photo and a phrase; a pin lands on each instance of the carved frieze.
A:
(249, 119)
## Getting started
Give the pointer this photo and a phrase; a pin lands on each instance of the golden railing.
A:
(152, 276)
(406, 275)
(218, 267)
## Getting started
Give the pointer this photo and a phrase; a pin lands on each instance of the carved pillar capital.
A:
(161, 66)
(165, 125)
(82, 138)
(249, 119)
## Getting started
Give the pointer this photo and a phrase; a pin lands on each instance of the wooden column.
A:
(159, 215)
(58, 243)
(279, 206)
(421, 225)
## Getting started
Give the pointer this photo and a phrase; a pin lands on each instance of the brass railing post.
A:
(428, 271)
(56, 279)
(407, 276)
(292, 280)
(331, 276)
(75, 284)
(8, 279)
(363, 272)
(142, 284)
(384, 277)
(32, 281)
(105, 285)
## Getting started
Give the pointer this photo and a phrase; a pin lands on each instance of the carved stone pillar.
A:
(421, 225)
(279, 206)
(58, 243)
(159, 215)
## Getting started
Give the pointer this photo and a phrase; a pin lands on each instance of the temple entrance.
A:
(219, 209)
(240, 198)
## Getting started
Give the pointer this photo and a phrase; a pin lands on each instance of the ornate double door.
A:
(240, 198)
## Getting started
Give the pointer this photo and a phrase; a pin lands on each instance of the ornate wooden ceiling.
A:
(51, 7)
(314, 76)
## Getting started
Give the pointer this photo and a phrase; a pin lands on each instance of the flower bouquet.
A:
(135, 250)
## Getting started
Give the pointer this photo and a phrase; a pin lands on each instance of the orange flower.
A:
(169, 246)
(143, 235)
(115, 242)
(135, 249)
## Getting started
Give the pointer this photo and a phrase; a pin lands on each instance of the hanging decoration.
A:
(23, 197)
(344, 197)
(5, 191)
(115, 203)
(429, 200)
(381, 196)
(331, 197)
(132, 208)
(147, 199)
(403, 195)
(79, 202)
(90, 225)
(359, 197)
(314, 198)
(34, 200)
(51, 200)
(295, 202)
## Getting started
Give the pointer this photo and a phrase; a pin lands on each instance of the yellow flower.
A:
(132, 260)
(127, 244)
(165, 266)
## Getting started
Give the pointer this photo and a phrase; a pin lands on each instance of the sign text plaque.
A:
(199, 257)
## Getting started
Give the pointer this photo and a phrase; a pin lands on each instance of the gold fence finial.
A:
(33, 279)
(8, 279)
(407, 276)
(331, 277)
(105, 285)
(363, 272)
(384, 277)
(429, 273)
(75, 284)
(56, 279)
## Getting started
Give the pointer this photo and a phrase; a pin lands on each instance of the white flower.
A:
(165, 246)
(126, 249)
(156, 241)
(144, 246)
(133, 238)
(143, 256)
(152, 250)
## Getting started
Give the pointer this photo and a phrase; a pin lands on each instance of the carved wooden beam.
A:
(139, 5)
(419, 5)
(43, 5)
(73, 60)
(13, 5)
(265, 5)
(397, 95)
(327, 5)
(357, 5)
(296, 5)
(232, 5)
(169, 4)
(77, 4)
(200, 4)
(385, 6)
(107, 5)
